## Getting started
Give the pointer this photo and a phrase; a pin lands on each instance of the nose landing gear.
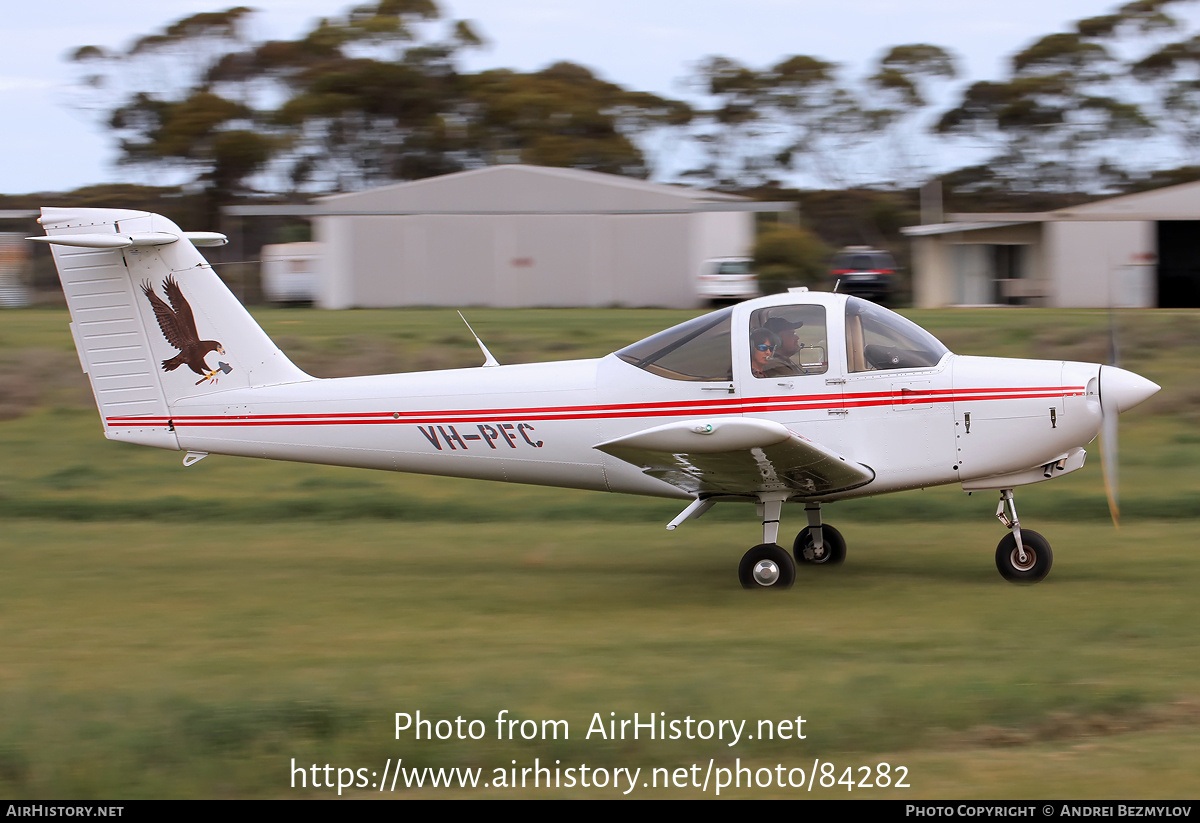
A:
(1023, 556)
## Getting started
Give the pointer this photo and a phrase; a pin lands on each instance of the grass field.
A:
(188, 633)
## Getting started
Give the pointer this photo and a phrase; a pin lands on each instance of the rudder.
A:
(141, 296)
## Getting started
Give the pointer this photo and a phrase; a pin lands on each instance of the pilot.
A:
(763, 343)
(781, 362)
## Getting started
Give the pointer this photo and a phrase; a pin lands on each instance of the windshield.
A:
(733, 267)
(863, 261)
(696, 350)
(877, 338)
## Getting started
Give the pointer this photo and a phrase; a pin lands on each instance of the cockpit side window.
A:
(877, 338)
(788, 340)
(699, 349)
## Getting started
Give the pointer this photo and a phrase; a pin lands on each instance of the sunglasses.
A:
(765, 347)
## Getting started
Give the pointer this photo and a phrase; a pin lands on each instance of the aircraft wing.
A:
(737, 455)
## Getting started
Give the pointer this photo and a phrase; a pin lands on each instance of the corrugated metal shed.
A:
(526, 236)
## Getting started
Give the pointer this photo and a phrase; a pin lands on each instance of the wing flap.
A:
(742, 455)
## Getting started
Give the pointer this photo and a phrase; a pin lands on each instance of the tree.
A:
(901, 84)
(179, 121)
(799, 117)
(823, 120)
(1172, 73)
(1067, 116)
(793, 117)
(730, 128)
(786, 255)
(367, 97)
(562, 115)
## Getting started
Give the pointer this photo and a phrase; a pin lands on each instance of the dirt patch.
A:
(1061, 726)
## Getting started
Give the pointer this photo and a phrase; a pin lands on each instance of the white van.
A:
(727, 278)
(290, 272)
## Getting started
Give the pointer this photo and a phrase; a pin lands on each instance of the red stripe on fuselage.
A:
(612, 410)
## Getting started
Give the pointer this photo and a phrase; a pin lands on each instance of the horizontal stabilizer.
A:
(737, 455)
(125, 241)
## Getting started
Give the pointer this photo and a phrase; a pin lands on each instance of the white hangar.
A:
(520, 235)
(1137, 250)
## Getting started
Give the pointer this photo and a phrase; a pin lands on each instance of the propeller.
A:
(1109, 449)
(1108, 452)
(1120, 391)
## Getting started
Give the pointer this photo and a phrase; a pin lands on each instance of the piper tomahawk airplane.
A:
(801, 397)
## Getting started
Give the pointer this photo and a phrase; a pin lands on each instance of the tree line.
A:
(377, 94)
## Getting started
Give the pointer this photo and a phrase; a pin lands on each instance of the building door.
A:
(1178, 264)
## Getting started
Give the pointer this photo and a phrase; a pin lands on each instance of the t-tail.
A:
(151, 320)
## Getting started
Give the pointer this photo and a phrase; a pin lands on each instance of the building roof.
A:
(524, 189)
(1180, 202)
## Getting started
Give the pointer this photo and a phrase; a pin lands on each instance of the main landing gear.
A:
(1023, 556)
(769, 566)
(817, 544)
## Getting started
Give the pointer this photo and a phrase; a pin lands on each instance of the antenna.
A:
(488, 360)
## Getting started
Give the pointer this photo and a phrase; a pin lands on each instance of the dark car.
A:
(864, 272)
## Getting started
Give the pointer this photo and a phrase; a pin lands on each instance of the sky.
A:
(49, 144)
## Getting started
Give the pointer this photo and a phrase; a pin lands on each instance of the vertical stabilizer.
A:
(151, 320)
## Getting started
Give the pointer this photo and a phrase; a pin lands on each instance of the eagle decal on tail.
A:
(178, 326)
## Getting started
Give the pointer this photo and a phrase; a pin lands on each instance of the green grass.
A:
(198, 659)
(172, 632)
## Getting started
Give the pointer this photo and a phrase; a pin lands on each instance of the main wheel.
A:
(831, 553)
(1037, 562)
(767, 566)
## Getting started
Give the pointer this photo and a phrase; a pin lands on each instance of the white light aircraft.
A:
(801, 397)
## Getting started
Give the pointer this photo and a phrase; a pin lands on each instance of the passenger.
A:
(789, 346)
(763, 343)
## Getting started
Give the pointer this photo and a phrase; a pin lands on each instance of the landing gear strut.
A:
(1023, 556)
(819, 544)
(767, 566)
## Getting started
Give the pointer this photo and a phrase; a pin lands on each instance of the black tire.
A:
(1038, 558)
(767, 566)
(834, 553)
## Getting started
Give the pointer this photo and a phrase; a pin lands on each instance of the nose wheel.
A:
(1029, 564)
(1023, 556)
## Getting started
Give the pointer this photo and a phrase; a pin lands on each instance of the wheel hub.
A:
(1023, 560)
(766, 572)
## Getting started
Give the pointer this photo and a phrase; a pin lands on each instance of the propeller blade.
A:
(1109, 450)
(1120, 390)
(1108, 455)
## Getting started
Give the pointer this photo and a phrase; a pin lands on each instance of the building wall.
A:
(933, 286)
(936, 259)
(523, 260)
(525, 236)
(1101, 254)
(1097, 264)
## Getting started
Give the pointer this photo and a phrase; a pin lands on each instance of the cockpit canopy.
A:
(700, 349)
(789, 339)
(877, 338)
